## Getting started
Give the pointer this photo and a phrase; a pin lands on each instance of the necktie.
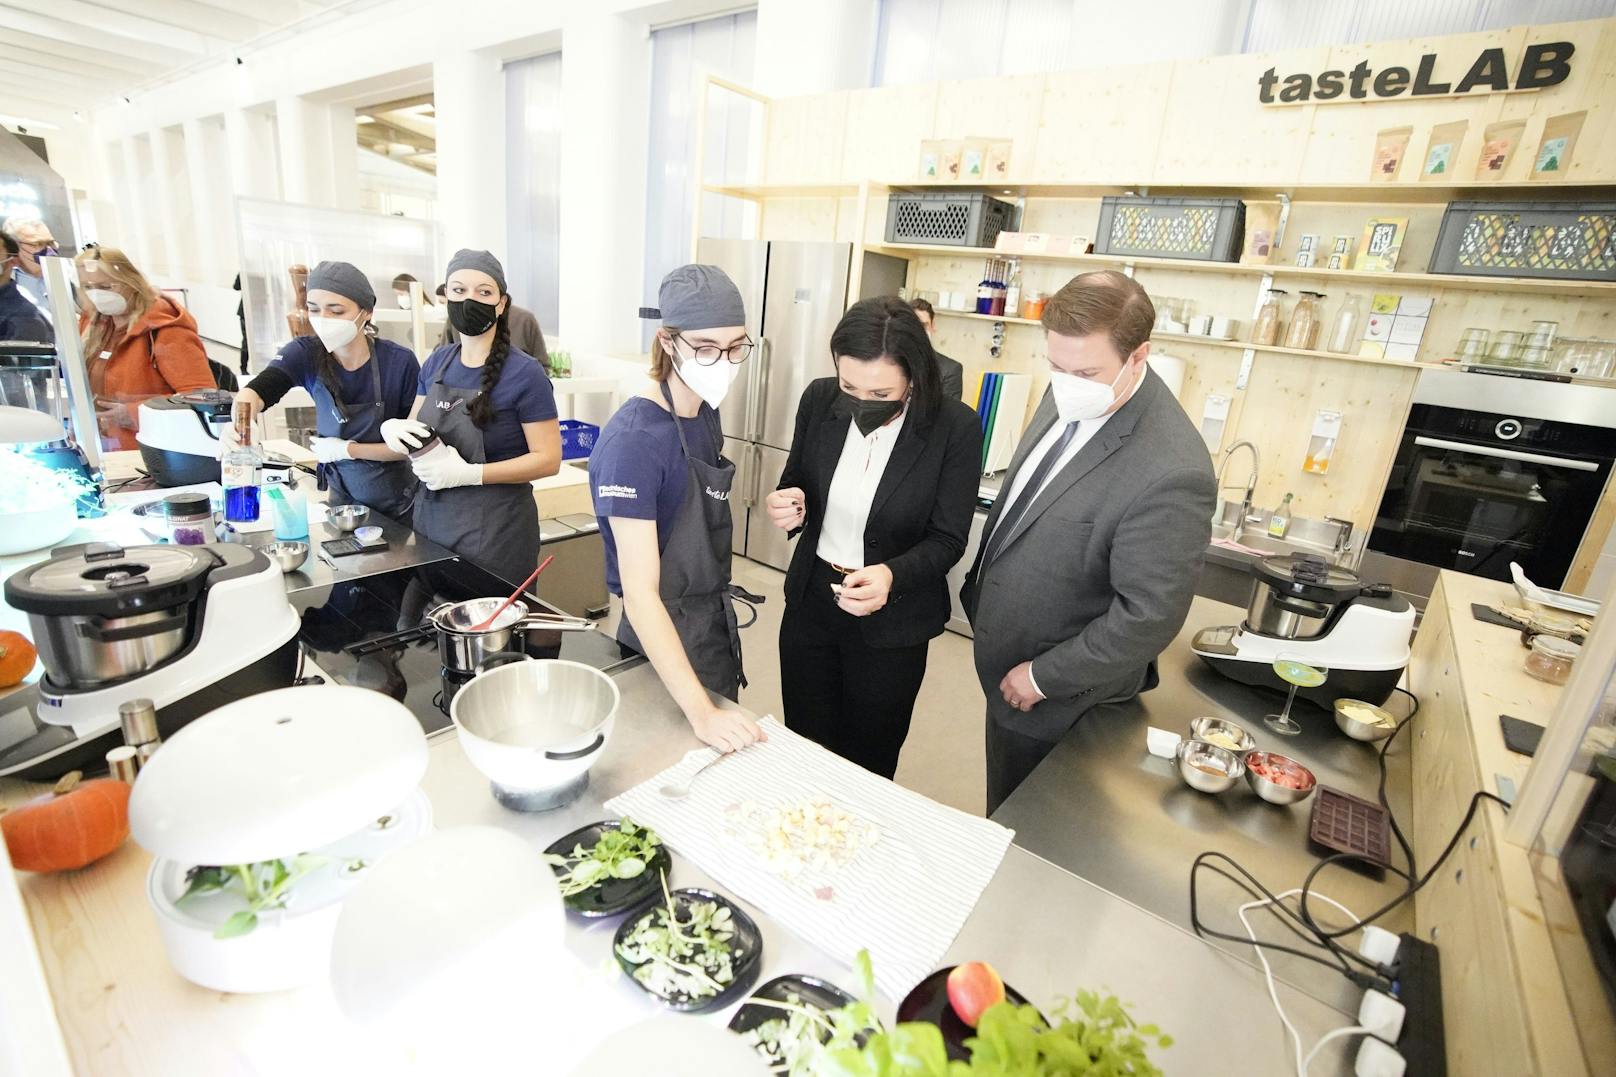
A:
(1029, 493)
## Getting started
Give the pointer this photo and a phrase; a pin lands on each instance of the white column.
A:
(303, 139)
(166, 183)
(111, 220)
(136, 182)
(343, 160)
(468, 91)
(252, 154)
(814, 48)
(210, 202)
(605, 93)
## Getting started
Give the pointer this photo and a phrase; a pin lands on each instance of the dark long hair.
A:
(325, 371)
(481, 409)
(885, 327)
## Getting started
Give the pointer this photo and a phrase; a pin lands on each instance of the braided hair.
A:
(481, 409)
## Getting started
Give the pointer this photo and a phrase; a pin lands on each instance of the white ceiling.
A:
(77, 54)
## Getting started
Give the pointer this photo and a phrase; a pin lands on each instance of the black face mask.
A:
(868, 415)
(471, 318)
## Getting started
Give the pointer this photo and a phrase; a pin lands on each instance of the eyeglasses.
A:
(708, 354)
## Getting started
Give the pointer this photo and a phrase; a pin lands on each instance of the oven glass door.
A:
(1475, 508)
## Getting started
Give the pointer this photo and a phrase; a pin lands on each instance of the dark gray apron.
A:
(388, 486)
(495, 526)
(695, 571)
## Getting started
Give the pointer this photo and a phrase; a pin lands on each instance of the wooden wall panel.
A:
(806, 139)
(1101, 126)
(885, 127)
(993, 108)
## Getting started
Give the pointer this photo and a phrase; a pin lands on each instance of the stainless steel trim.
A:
(1587, 405)
(761, 380)
(754, 390)
(755, 496)
(1506, 454)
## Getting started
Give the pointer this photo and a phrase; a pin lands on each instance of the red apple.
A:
(972, 988)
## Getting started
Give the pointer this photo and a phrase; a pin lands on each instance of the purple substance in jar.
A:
(188, 536)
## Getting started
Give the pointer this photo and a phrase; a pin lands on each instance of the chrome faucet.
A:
(1251, 487)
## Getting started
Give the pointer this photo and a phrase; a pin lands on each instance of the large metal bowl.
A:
(348, 517)
(1208, 768)
(1215, 730)
(1382, 725)
(1278, 792)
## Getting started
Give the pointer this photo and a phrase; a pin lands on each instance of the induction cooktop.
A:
(339, 620)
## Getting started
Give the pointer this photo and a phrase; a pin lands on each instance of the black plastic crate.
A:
(947, 218)
(1208, 229)
(1552, 240)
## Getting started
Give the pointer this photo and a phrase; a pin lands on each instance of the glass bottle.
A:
(984, 290)
(241, 472)
(1012, 291)
(1303, 332)
(1347, 327)
(1265, 330)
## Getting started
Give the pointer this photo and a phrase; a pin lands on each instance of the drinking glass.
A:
(1295, 670)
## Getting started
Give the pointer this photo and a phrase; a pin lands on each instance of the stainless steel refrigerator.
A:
(794, 294)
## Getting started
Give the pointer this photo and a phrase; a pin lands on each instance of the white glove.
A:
(441, 470)
(330, 450)
(403, 435)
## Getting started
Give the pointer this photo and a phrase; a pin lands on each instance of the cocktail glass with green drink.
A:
(1296, 671)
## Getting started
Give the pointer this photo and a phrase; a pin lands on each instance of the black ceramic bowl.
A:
(609, 897)
(928, 1002)
(809, 990)
(747, 942)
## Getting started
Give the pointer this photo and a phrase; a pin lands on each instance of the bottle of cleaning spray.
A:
(1279, 524)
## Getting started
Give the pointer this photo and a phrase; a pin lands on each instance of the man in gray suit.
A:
(952, 370)
(1088, 561)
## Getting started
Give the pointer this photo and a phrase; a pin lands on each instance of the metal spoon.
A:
(678, 790)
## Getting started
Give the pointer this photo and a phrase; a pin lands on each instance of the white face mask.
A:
(334, 333)
(711, 383)
(1079, 398)
(403, 300)
(109, 303)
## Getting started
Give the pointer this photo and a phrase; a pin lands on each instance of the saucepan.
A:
(534, 727)
(464, 648)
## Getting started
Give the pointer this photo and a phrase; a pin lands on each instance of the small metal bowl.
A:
(1277, 792)
(1208, 768)
(348, 517)
(1215, 730)
(288, 555)
(1380, 728)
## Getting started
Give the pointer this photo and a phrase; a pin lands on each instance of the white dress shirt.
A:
(852, 490)
(1086, 429)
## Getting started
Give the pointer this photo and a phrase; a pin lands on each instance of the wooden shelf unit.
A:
(1393, 280)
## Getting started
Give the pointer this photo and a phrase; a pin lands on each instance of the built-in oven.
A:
(1492, 470)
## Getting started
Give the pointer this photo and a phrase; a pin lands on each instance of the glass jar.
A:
(1551, 659)
(1473, 344)
(1506, 346)
(1032, 306)
(1265, 330)
(188, 519)
(1303, 332)
(1347, 327)
(1542, 333)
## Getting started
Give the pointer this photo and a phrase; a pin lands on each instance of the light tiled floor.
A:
(943, 757)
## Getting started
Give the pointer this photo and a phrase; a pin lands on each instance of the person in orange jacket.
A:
(138, 343)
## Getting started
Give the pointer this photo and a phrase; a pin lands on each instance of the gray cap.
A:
(345, 280)
(697, 297)
(482, 261)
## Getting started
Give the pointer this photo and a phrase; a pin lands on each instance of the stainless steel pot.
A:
(88, 650)
(464, 650)
(1272, 614)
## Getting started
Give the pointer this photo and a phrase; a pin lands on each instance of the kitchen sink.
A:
(1306, 535)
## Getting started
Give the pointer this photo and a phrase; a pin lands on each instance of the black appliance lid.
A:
(215, 403)
(110, 581)
(1307, 576)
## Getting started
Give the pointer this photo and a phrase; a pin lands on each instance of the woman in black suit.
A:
(880, 487)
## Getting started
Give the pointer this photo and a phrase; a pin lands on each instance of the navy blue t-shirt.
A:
(523, 395)
(637, 470)
(299, 360)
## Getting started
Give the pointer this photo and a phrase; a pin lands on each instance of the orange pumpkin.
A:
(74, 825)
(17, 657)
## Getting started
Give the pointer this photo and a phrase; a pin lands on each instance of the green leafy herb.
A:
(1093, 1034)
(266, 884)
(623, 852)
(683, 950)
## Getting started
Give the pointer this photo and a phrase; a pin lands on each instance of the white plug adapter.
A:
(1379, 945)
(1382, 1015)
(1376, 1059)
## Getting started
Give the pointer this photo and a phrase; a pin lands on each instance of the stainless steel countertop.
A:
(1103, 808)
(1046, 930)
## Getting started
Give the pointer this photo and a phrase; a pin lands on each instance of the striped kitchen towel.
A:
(903, 896)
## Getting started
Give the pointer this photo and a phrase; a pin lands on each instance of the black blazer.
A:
(920, 518)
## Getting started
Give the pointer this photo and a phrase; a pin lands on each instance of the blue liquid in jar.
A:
(241, 504)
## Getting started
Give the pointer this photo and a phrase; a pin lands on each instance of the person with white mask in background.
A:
(661, 488)
(358, 382)
(1088, 561)
(34, 241)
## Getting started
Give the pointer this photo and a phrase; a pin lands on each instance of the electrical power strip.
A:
(1419, 988)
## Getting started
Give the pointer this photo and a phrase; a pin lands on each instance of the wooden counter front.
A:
(1503, 999)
